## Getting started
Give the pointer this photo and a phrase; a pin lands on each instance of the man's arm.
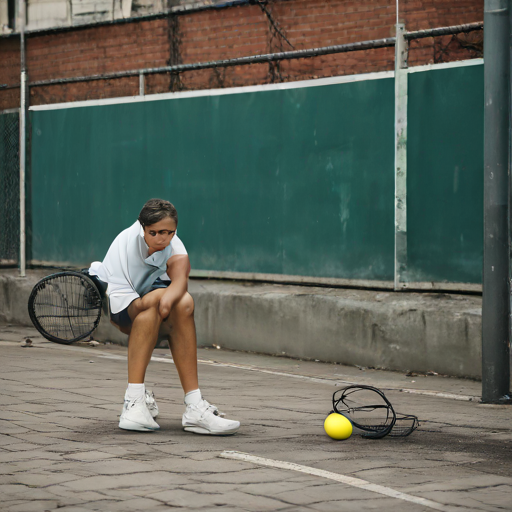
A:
(178, 270)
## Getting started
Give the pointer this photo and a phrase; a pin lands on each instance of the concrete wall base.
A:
(399, 331)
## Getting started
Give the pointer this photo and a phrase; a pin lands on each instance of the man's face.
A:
(159, 235)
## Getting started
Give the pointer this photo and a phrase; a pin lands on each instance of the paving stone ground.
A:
(61, 448)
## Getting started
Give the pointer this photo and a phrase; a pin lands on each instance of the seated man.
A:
(147, 269)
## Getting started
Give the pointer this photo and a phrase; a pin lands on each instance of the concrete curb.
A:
(399, 331)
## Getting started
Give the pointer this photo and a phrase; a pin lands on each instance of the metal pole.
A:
(23, 135)
(253, 59)
(141, 84)
(239, 61)
(444, 31)
(495, 307)
(401, 48)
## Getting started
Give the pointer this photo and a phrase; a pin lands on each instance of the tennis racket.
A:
(66, 307)
(371, 412)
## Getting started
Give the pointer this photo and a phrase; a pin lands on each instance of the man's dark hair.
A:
(155, 210)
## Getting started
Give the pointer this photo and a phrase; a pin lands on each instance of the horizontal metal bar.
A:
(264, 58)
(240, 61)
(443, 31)
(291, 279)
(336, 282)
(8, 262)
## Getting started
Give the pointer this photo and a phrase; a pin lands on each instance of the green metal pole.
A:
(496, 292)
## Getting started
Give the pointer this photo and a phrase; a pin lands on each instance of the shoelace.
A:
(213, 409)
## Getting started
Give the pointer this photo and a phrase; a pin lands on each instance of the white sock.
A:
(135, 392)
(193, 397)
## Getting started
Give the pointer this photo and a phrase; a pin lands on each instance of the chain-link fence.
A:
(9, 187)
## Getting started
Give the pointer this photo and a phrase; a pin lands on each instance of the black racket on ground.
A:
(65, 307)
(372, 413)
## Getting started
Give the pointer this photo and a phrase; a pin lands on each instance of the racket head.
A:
(405, 424)
(367, 408)
(65, 307)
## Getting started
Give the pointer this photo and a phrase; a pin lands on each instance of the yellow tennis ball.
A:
(337, 426)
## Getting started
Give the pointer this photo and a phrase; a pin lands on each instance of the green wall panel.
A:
(296, 181)
(445, 175)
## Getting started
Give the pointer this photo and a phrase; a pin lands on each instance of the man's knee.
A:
(152, 299)
(185, 307)
(150, 302)
(149, 314)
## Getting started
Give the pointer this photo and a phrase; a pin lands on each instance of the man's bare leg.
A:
(142, 341)
(143, 334)
(200, 417)
(181, 331)
(179, 326)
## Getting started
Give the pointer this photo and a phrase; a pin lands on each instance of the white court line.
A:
(436, 394)
(262, 370)
(348, 480)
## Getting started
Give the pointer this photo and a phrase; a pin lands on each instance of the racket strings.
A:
(405, 424)
(67, 307)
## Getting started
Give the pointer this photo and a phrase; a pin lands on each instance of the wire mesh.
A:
(9, 188)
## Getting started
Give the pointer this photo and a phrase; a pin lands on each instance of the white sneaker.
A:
(136, 416)
(204, 418)
(151, 404)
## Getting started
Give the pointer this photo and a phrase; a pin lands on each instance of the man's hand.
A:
(178, 269)
(165, 306)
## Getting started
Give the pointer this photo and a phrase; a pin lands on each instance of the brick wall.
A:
(9, 72)
(418, 15)
(234, 32)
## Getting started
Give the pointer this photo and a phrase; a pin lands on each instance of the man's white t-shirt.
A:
(128, 269)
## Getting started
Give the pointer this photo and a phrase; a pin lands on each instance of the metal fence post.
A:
(401, 51)
(495, 307)
(23, 137)
(142, 84)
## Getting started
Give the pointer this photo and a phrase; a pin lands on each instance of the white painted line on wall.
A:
(10, 111)
(255, 88)
(446, 65)
(344, 479)
(220, 92)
